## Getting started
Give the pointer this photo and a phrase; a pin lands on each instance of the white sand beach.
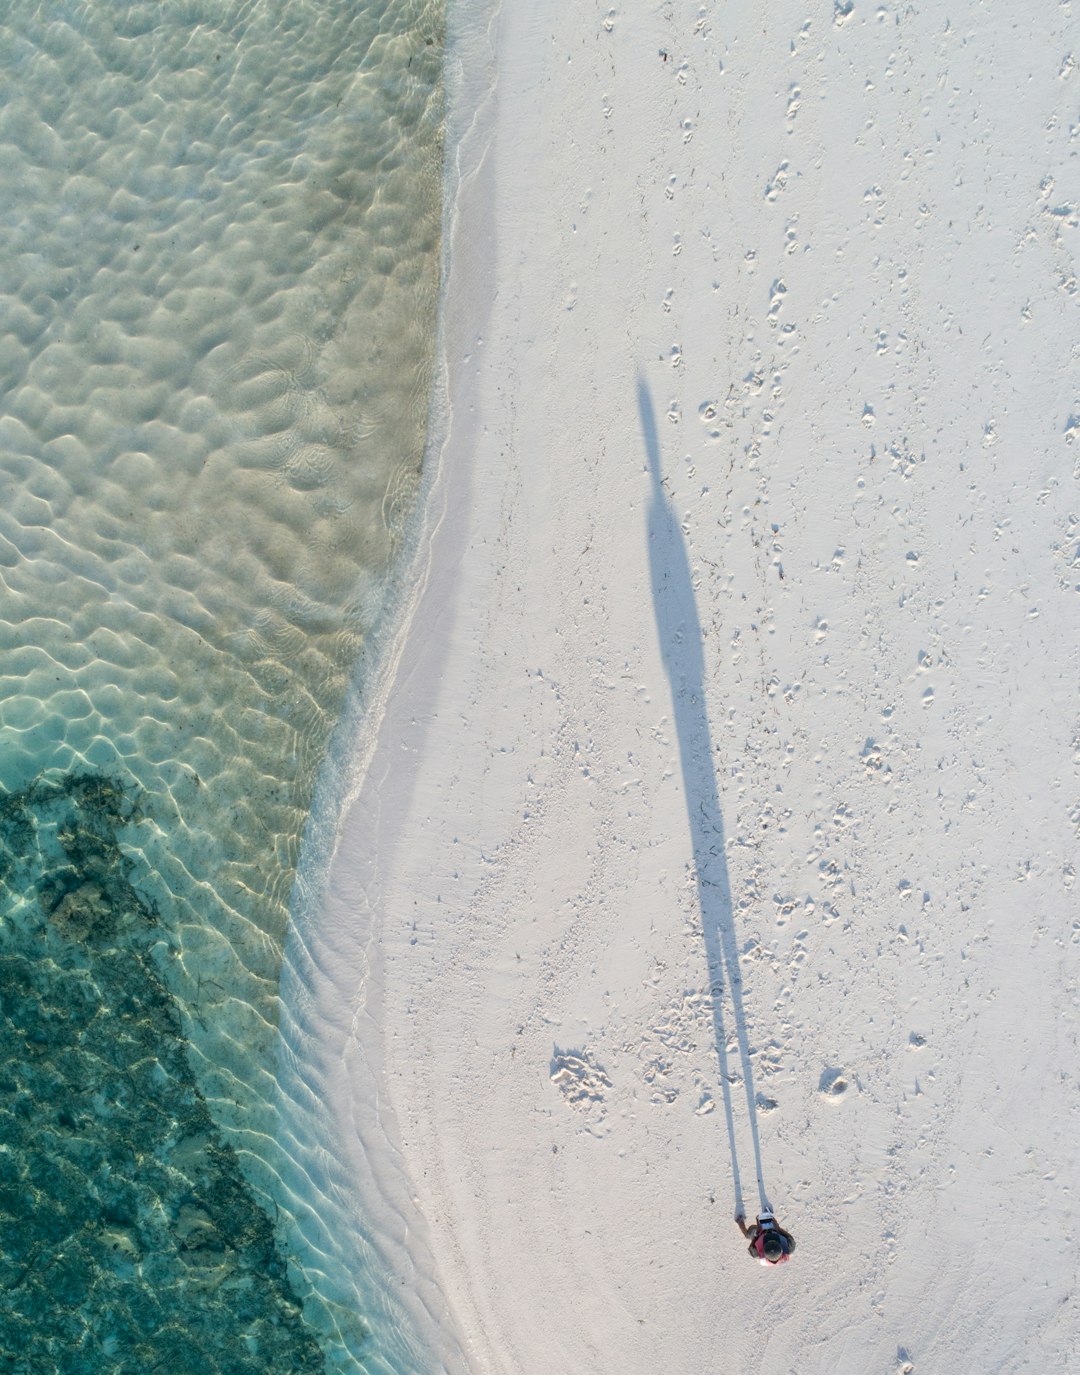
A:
(715, 840)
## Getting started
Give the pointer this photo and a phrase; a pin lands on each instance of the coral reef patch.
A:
(129, 1239)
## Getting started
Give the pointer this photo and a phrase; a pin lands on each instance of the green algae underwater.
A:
(126, 1225)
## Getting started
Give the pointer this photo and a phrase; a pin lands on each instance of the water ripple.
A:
(218, 278)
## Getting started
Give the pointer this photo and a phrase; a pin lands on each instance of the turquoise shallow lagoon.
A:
(219, 231)
(130, 1236)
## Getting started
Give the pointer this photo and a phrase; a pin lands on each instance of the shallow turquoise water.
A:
(218, 276)
(129, 1238)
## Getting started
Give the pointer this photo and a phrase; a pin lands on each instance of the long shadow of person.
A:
(681, 646)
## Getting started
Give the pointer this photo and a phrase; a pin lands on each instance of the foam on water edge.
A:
(218, 267)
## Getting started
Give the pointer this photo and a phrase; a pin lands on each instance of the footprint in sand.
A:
(833, 1084)
(580, 1080)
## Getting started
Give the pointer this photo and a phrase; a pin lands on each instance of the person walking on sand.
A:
(769, 1243)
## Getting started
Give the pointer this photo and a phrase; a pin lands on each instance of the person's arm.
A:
(741, 1222)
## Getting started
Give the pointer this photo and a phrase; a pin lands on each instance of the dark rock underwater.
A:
(130, 1241)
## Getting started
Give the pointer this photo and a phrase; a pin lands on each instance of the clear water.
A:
(130, 1238)
(218, 275)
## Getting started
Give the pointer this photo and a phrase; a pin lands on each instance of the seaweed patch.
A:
(130, 1240)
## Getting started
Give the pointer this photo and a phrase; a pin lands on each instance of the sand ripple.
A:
(217, 282)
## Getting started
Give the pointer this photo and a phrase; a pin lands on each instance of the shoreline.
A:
(557, 949)
(327, 973)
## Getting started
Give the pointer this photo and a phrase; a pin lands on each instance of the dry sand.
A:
(716, 840)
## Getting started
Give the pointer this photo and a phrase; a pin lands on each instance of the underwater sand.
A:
(219, 227)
